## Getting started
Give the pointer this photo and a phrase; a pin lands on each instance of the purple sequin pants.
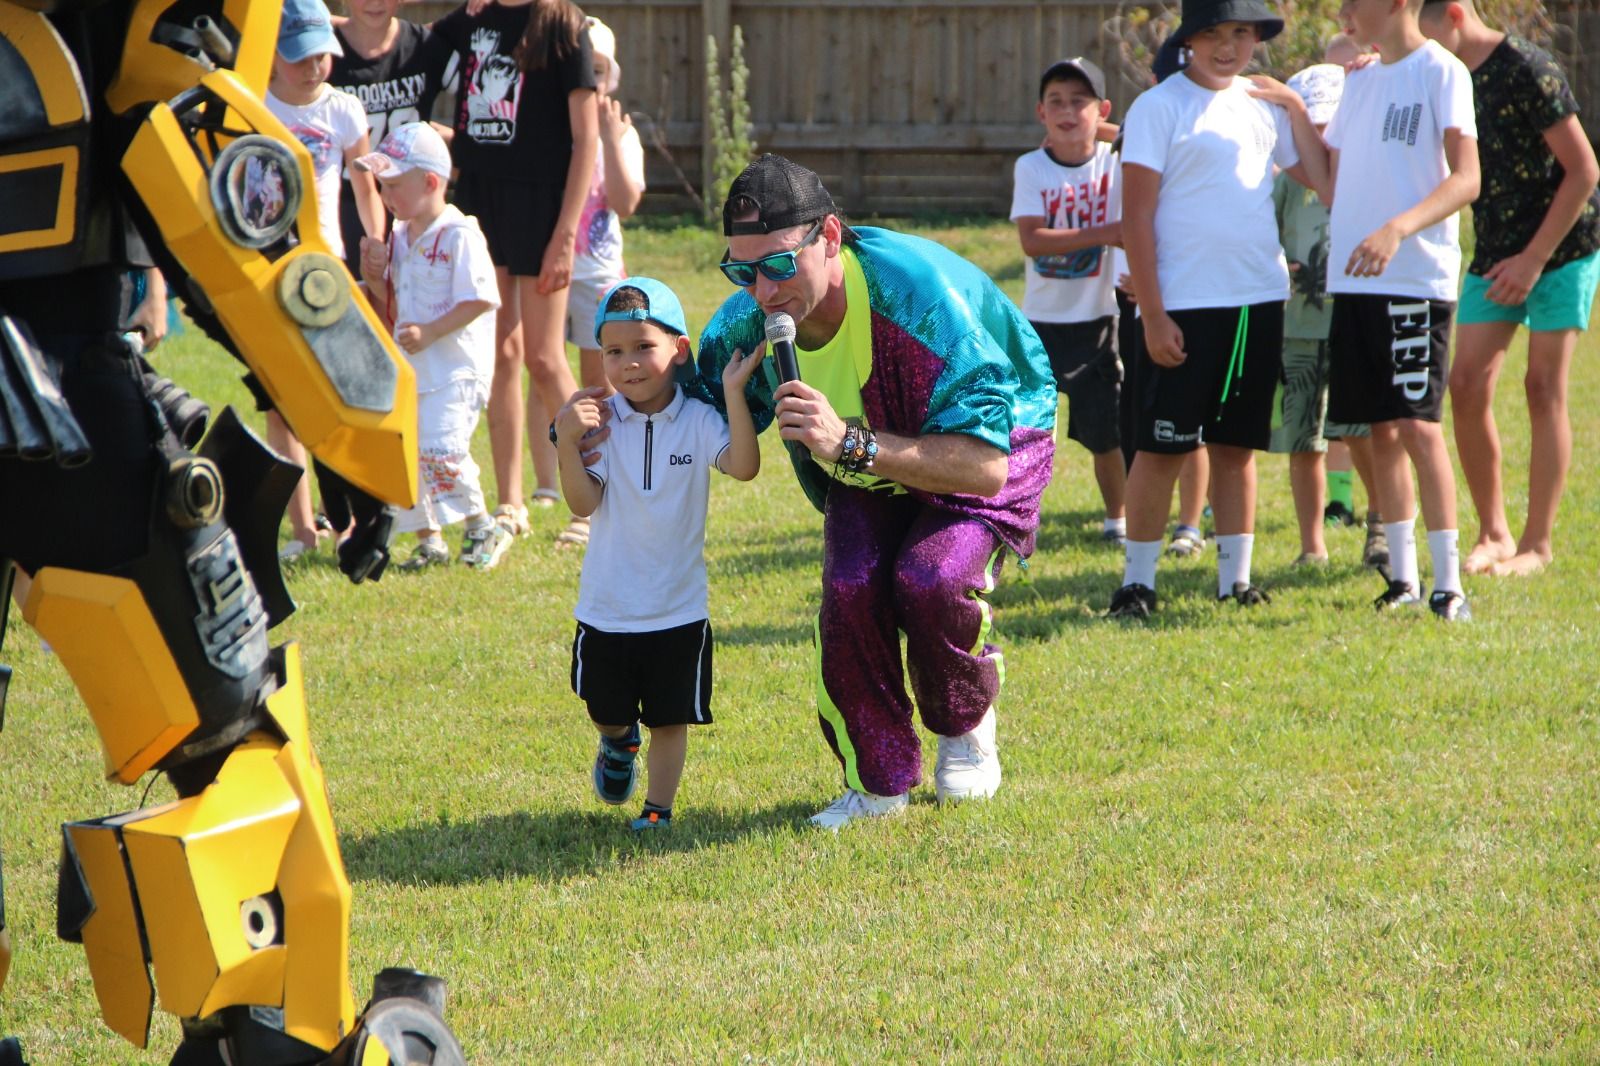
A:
(892, 564)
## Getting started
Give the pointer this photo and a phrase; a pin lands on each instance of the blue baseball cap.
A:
(306, 30)
(661, 307)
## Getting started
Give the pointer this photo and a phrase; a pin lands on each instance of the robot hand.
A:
(363, 523)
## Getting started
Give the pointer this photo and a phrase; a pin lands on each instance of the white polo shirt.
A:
(645, 566)
(449, 264)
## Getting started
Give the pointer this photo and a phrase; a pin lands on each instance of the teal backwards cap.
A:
(661, 307)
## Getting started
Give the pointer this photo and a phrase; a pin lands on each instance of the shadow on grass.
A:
(1063, 530)
(549, 846)
(764, 634)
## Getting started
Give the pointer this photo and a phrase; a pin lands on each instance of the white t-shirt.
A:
(597, 255)
(329, 126)
(645, 566)
(1389, 133)
(1078, 286)
(449, 264)
(1216, 234)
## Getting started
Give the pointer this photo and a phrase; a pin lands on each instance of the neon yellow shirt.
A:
(840, 367)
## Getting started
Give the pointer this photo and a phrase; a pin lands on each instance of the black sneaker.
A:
(1246, 595)
(1132, 601)
(1450, 607)
(1375, 553)
(1399, 594)
(616, 767)
(1337, 514)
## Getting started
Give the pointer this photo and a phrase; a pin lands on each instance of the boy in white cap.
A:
(1299, 426)
(434, 282)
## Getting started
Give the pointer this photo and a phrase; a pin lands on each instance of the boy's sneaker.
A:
(1247, 595)
(1399, 594)
(852, 805)
(650, 820)
(969, 765)
(1450, 607)
(1132, 601)
(1186, 543)
(616, 767)
(427, 553)
(483, 547)
(1375, 553)
(1111, 538)
(1337, 514)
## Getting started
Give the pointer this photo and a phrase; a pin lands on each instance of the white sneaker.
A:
(969, 765)
(852, 805)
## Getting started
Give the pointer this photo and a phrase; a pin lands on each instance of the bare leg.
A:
(591, 369)
(1112, 479)
(543, 452)
(1193, 482)
(1479, 357)
(505, 392)
(302, 519)
(1436, 478)
(1361, 458)
(544, 346)
(1550, 447)
(1149, 493)
(1233, 488)
(669, 744)
(1305, 482)
(1391, 473)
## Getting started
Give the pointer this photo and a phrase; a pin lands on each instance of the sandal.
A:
(576, 534)
(513, 518)
(545, 497)
(1186, 542)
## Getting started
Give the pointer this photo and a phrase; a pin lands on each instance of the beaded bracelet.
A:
(860, 449)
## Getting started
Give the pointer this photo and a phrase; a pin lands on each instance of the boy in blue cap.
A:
(642, 651)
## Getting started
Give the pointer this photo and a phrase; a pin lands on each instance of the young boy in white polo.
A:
(1404, 142)
(435, 282)
(642, 651)
(1066, 201)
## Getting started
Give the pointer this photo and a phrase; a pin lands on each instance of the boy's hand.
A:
(1163, 340)
(1511, 280)
(374, 259)
(412, 337)
(577, 418)
(1274, 91)
(1365, 59)
(739, 369)
(1372, 255)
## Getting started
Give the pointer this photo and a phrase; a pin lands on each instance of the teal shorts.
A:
(1560, 299)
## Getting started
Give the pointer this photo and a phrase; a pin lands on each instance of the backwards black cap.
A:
(784, 194)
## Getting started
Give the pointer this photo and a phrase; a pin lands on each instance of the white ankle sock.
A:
(1139, 566)
(1233, 560)
(1442, 545)
(1119, 526)
(1402, 538)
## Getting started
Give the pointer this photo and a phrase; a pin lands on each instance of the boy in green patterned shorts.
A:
(1299, 428)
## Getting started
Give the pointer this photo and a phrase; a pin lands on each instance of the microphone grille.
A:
(780, 327)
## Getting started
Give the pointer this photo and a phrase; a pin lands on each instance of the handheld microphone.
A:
(780, 338)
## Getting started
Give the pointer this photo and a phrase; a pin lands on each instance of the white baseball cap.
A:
(604, 42)
(1321, 87)
(414, 146)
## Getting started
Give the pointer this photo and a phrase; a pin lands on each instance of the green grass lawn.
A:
(1298, 833)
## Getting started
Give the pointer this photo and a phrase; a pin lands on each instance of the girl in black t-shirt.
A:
(526, 134)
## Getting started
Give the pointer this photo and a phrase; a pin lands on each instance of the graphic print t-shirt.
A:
(598, 251)
(329, 126)
(1518, 93)
(397, 87)
(1078, 286)
(1389, 133)
(1303, 226)
(508, 124)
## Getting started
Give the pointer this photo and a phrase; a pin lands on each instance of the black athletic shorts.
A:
(1182, 407)
(659, 678)
(1389, 358)
(1083, 358)
(518, 218)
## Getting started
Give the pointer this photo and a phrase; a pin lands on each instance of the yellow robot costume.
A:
(132, 133)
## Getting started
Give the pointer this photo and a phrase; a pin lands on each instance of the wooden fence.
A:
(902, 106)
